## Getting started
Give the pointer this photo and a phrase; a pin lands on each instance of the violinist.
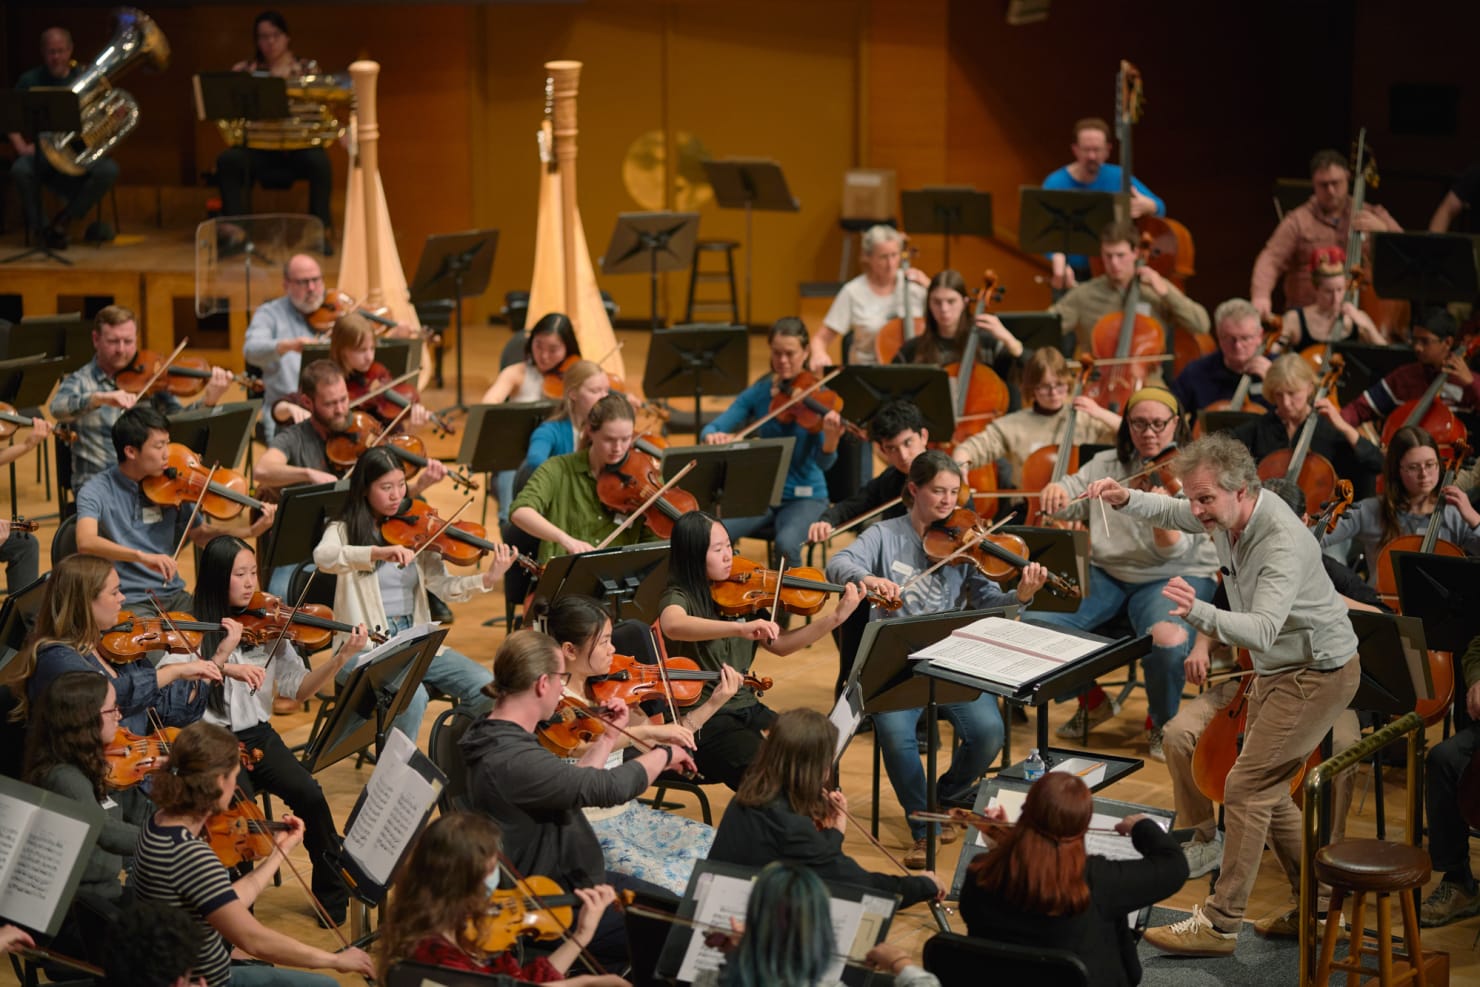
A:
(1437, 347)
(1412, 474)
(537, 797)
(1324, 220)
(1087, 303)
(885, 558)
(1130, 563)
(175, 865)
(1016, 436)
(276, 337)
(381, 585)
(352, 347)
(870, 300)
(118, 522)
(559, 504)
(658, 847)
(805, 496)
(1038, 885)
(548, 344)
(1456, 896)
(19, 549)
(443, 890)
(1215, 377)
(90, 400)
(949, 319)
(1328, 316)
(701, 554)
(1090, 171)
(1291, 619)
(787, 809)
(243, 704)
(1289, 386)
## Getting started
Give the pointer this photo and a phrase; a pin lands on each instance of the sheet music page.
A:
(1043, 640)
(717, 899)
(405, 637)
(15, 819)
(396, 798)
(847, 918)
(42, 854)
(874, 911)
(1113, 846)
(1005, 651)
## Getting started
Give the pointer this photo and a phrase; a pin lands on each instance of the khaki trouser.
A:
(1289, 714)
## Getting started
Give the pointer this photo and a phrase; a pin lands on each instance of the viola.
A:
(538, 909)
(460, 542)
(1218, 747)
(980, 394)
(131, 756)
(1324, 521)
(185, 477)
(570, 727)
(242, 833)
(1313, 472)
(624, 487)
(1157, 474)
(362, 433)
(186, 376)
(310, 626)
(10, 422)
(751, 587)
(635, 682)
(135, 636)
(808, 412)
(999, 556)
(1051, 464)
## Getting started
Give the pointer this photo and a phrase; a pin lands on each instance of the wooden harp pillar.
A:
(365, 74)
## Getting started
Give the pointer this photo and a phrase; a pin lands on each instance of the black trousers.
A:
(280, 773)
(729, 741)
(1449, 834)
(236, 166)
(21, 554)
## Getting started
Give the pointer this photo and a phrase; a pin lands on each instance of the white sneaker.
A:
(1085, 719)
(1203, 858)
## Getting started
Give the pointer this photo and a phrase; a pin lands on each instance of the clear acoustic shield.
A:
(239, 259)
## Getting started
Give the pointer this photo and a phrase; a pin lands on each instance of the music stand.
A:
(496, 436)
(947, 210)
(742, 479)
(31, 113)
(247, 96)
(1035, 330)
(1054, 221)
(17, 617)
(1063, 553)
(628, 580)
(749, 184)
(455, 266)
(1425, 268)
(1443, 593)
(397, 355)
(864, 389)
(375, 693)
(667, 238)
(219, 435)
(698, 360)
(1367, 365)
(25, 384)
(1395, 667)
(303, 513)
(1225, 421)
(67, 336)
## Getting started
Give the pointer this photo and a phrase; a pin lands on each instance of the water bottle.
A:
(1033, 767)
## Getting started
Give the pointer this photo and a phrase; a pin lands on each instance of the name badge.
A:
(1144, 308)
(108, 803)
(901, 568)
(151, 514)
(803, 491)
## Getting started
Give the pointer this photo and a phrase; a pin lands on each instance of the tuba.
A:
(108, 114)
(314, 104)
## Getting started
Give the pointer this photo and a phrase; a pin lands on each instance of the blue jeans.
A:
(504, 485)
(451, 672)
(787, 525)
(262, 975)
(978, 724)
(1146, 607)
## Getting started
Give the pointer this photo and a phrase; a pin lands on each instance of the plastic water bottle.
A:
(1033, 767)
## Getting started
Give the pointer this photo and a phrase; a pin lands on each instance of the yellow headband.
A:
(1158, 394)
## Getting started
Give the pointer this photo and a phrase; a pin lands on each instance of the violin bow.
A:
(195, 511)
(635, 515)
(163, 367)
(794, 400)
(164, 618)
(387, 430)
(860, 519)
(780, 581)
(973, 537)
(48, 956)
(565, 931)
(974, 818)
(597, 713)
(1120, 361)
(292, 612)
(376, 392)
(1156, 463)
(936, 908)
(445, 525)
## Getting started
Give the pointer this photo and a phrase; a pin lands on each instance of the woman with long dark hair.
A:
(700, 552)
(547, 344)
(950, 319)
(1038, 887)
(380, 585)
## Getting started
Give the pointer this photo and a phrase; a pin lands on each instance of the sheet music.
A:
(396, 798)
(405, 637)
(38, 850)
(717, 899)
(1006, 651)
(1113, 846)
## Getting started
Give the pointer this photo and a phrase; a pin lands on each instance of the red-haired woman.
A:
(1037, 886)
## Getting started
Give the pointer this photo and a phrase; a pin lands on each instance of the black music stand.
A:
(1444, 594)
(1054, 221)
(25, 384)
(629, 581)
(367, 705)
(741, 479)
(667, 238)
(697, 360)
(496, 438)
(1035, 330)
(1225, 421)
(1063, 553)
(1425, 268)
(249, 96)
(396, 355)
(1395, 667)
(303, 513)
(18, 617)
(31, 113)
(455, 266)
(749, 184)
(864, 389)
(1367, 365)
(947, 210)
(219, 435)
(67, 336)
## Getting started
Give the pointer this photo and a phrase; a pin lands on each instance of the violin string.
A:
(194, 512)
(165, 366)
(936, 907)
(445, 525)
(524, 886)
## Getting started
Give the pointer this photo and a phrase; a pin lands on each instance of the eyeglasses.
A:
(1051, 388)
(305, 282)
(112, 711)
(564, 677)
(1425, 341)
(1419, 469)
(1142, 426)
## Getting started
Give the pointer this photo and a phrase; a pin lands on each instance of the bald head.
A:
(56, 51)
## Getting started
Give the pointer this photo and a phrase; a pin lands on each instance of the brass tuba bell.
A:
(108, 114)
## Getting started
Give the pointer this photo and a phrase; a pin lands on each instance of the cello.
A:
(1218, 747)
(1240, 401)
(1429, 413)
(1312, 471)
(892, 334)
(1051, 464)
(1429, 543)
(980, 394)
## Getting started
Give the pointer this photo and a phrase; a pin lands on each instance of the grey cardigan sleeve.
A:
(116, 836)
(1171, 513)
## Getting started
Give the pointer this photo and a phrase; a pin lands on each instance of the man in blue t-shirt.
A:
(1088, 172)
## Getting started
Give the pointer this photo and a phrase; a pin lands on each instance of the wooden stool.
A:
(713, 303)
(1383, 868)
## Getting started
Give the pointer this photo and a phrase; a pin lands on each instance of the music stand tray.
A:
(303, 513)
(650, 243)
(1444, 594)
(629, 581)
(947, 210)
(1225, 421)
(240, 96)
(1067, 221)
(219, 435)
(697, 360)
(1425, 268)
(496, 436)
(1395, 666)
(742, 479)
(1367, 365)
(27, 382)
(66, 336)
(864, 389)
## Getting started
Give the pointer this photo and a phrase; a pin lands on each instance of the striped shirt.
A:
(176, 868)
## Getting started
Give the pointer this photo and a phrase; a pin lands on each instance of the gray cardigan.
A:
(1284, 608)
(116, 839)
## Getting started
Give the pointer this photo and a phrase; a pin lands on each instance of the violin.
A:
(242, 833)
(10, 422)
(388, 402)
(185, 477)
(999, 556)
(980, 394)
(553, 380)
(538, 909)
(184, 377)
(19, 523)
(1313, 472)
(635, 682)
(751, 587)
(362, 433)
(569, 728)
(1156, 474)
(624, 487)
(460, 542)
(135, 636)
(1324, 522)
(310, 626)
(338, 304)
(131, 756)
(808, 412)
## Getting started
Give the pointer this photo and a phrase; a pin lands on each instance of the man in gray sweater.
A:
(1285, 610)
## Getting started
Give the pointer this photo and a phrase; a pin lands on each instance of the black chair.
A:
(12, 736)
(64, 543)
(408, 974)
(959, 961)
(442, 747)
